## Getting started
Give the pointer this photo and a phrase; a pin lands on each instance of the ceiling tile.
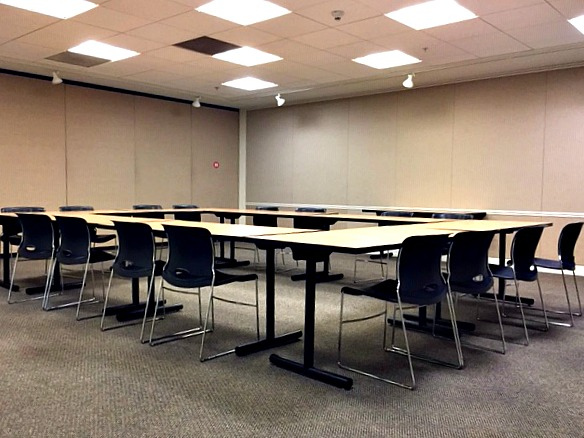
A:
(294, 5)
(110, 19)
(161, 33)
(140, 45)
(568, 8)
(357, 50)
(289, 25)
(245, 36)
(149, 9)
(548, 35)
(286, 49)
(354, 11)
(17, 22)
(175, 54)
(154, 76)
(490, 45)
(463, 29)
(523, 17)
(198, 24)
(65, 34)
(129, 66)
(419, 44)
(482, 7)
(29, 52)
(352, 69)
(324, 39)
(317, 58)
(373, 28)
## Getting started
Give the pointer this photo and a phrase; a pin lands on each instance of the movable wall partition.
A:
(513, 145)
(66, 144)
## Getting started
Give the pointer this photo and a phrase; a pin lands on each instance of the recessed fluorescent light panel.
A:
(102, 50)
(578, 23)
(431, 14)
(249, 84)
(247, 56)
(392, 58)
(55, 8)
(243, 12)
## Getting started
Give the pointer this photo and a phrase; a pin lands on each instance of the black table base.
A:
(266, 344)
(320, 375)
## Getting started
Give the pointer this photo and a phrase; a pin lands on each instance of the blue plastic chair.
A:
(190, 266)
(565, 262)
(419, 283)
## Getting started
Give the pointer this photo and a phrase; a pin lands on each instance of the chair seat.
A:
(185, 279)
(387, 291)
(95, 256)
(137, 271)
(102, 238)
(554, 264)
(473, 286)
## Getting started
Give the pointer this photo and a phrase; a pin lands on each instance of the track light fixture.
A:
(56, 79)
(409, 82)
(197, 102)
(280, 100)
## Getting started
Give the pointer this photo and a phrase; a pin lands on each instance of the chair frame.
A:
(565, 261)
(393, 348)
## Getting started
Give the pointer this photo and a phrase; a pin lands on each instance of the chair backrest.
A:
(75, 208)
(192, 216)
(419, 272)
(190, 257)
(308, 222)
(266, 220)
(523, 251)
(398, 213)
(22, 209)
(135, 257)
(468, 262)
(75, 241)
(452, 216)
(148, 207)
(38, 236)
(566, 244)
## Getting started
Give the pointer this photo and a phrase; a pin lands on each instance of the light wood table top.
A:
(357, 240)
(485, 225)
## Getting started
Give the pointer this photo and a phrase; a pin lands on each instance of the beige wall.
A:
(72, 145)
(513, 144)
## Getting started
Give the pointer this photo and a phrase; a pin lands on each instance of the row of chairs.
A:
(420, 282)
(189, 267)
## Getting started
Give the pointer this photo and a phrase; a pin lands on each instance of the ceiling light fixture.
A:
(102, 50)
(431, 14)
(56, 79)
(249, 84)
(392, 58)
(243, 12)
(247, 56)
(578, 23)
(197, 102)
(409, 81)
(280, 100)
(55, 8)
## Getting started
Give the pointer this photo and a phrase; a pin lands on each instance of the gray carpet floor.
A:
(62, 378)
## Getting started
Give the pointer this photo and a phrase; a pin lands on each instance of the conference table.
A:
(319, 244)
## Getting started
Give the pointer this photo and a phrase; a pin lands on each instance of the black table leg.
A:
(320, 277)
(5, 283)
(135, 310)
(271, 339)
(307, 368)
